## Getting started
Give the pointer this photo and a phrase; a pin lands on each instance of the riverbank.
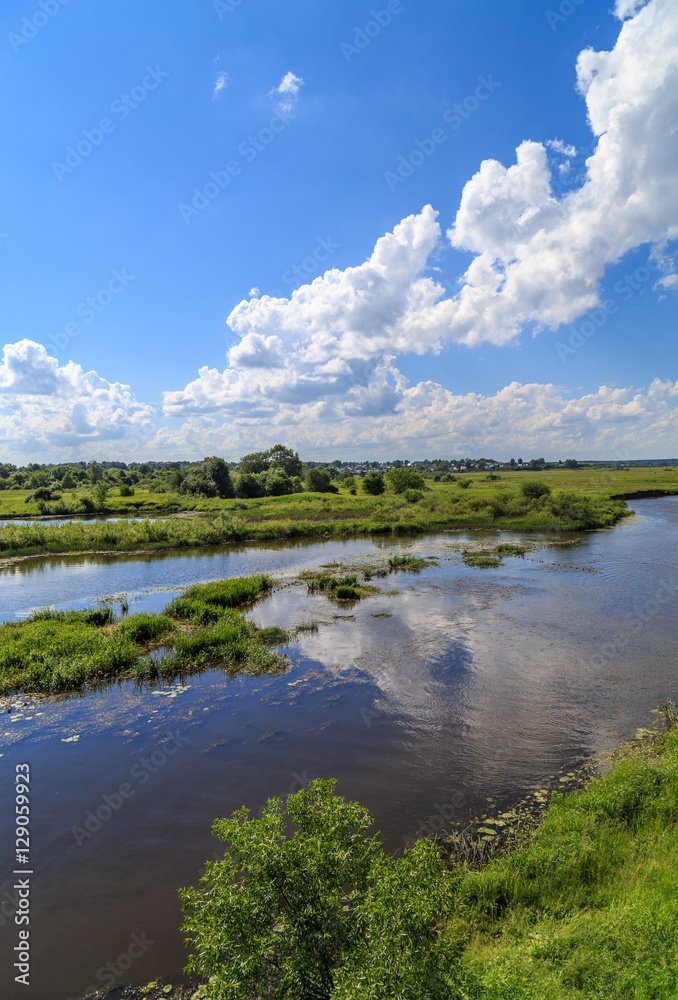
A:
(582, 907)
(586, 908)
(506, 507)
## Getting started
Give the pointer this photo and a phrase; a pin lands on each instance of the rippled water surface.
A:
(471, 684)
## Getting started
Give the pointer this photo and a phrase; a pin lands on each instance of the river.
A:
(471, 685)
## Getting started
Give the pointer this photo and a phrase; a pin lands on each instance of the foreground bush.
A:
(324, 913)
(582, 907)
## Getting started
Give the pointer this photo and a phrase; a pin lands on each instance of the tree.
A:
(532, 489)
(400, 480)
(278, 483)
(248, 487)
(95, 473)
(374, 484)
(323, 913)
(254, 463)
(37, 479)
(318, 481)
(68, 482)
(220, 473)
(285, 459)
(176, 479)
(100, 492)
(571, 463)
(199, 483)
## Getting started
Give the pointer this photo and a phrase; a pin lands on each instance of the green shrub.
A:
(532, 489)
(373, 483)
(399, 480)
(318, 481)
(323, 913)
(229, 593)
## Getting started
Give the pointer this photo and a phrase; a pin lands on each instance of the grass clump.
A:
(411, 564)
(341, 588)
(144, 628)
(60, 652)
(56, 651)
(509, 549)
(233, 593)
(484, 558)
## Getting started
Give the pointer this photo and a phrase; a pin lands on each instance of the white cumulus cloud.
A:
(387, 417)
(48, 408)
(286, 93)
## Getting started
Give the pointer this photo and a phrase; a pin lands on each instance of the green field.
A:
(593, 481)
(578, 500)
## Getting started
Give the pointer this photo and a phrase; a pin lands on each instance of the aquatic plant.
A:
(55, 651)
(483, 558)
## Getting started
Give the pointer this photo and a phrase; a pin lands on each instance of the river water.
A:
(471, 685)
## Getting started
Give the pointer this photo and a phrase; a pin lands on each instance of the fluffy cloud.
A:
(47, 408)
(389, 418)
(537, 258)
(324, 358)
(628, 8)
(286, 93)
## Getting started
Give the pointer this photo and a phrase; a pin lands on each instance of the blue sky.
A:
(192, 166)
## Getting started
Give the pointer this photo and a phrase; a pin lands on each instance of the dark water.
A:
(481, 684)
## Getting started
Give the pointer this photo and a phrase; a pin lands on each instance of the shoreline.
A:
(602, 811)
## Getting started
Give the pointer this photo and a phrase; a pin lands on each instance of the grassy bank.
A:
(55, 651)
(486, 504)
(589, 907)
(584, 906)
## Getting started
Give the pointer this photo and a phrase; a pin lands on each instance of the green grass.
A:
(55, 651)
(508, 549)
(341, 588)
(410, 564)
(483, 558)
(588, 908)
(580, 499)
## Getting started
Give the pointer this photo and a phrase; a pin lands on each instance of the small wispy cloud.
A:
(559, 146)
(287, 92)
(223, 80)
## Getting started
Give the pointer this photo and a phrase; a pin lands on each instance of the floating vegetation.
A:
(509, 549)
(483, 558)
(411, 564)
(341, 588)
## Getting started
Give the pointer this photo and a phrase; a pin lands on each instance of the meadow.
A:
(579, 499)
